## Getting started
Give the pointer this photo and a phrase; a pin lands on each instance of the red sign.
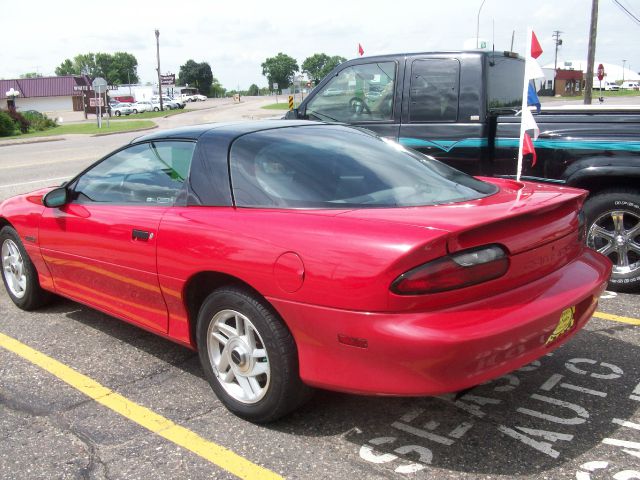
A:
(600, 72)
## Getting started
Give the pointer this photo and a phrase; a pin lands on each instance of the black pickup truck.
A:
(463, 109)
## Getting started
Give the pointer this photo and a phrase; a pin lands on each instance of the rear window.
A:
(504, 81)
(340, 167)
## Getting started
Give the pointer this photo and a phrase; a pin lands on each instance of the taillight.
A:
(462, 269)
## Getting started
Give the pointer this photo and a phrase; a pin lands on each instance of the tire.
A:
(117, 113)
(135, 111)
(156, 109)
(18, 273)
(613, 229)
(233, 324)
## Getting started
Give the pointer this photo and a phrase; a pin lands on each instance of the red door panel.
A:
(96, 258)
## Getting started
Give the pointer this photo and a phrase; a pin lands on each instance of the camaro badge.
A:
(567, 321)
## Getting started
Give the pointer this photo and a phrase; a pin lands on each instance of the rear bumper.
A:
(435, 352)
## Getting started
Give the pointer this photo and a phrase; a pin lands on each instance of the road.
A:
(141, 408)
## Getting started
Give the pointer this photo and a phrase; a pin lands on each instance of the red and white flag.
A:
(360, 50)
(528, 125)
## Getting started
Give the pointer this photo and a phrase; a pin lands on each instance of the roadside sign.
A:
(600, 72)
(96, 102)
(168, 80)
(275, 86)
(99, 84)
(290, 102)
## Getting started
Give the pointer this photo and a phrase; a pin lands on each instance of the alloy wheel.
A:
(13, 268)
(238, 356)
(616, 234)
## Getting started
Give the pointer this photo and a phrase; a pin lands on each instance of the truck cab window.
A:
(434, 90)
(361, 93)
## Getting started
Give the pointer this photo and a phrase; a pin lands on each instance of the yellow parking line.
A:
(617, 318)
(226, 459)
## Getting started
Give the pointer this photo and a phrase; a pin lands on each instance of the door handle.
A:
(141, 235)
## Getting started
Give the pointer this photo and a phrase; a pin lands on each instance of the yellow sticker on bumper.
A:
(566, 323)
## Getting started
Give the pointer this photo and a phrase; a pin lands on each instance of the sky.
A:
(236, 38)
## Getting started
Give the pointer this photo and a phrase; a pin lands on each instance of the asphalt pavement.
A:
(84, 395)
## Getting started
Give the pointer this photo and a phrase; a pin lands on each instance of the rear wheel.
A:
(613, 222)
(117, 113)
(249, 356)
(18, 273)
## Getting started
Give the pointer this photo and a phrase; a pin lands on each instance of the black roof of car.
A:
(234, 129)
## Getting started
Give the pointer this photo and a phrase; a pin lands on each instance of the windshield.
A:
(325, 166)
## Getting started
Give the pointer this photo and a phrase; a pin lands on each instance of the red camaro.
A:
(294, 254)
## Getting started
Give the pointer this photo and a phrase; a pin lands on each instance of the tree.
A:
(117, 68)
(318, 65)
(198, 75)
(31, 75)
(280, 69)
(253, 91)
(66, 68)
(217, 90)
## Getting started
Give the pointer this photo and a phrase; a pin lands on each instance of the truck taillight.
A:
(462, 269)
(582, 226)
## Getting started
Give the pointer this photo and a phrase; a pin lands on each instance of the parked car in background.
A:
(187, 97)
(150, 105)
(605, 85)
(139, 107)
(632, 85)
(121, 109)
(198, 97)
(295, 254)
(168, 103)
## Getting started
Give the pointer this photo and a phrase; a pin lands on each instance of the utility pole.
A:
(159, 80)
(556, 36)
(623, 64)
(591, 56)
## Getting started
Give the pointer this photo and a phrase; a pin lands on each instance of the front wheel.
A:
(156, 109)
(613, 222)
(117, 113)
(19, 275)
(249, 356)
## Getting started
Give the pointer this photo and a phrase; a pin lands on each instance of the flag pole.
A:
(525, 89)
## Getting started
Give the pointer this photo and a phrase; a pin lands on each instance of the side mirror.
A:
(56, 198)
(292, 114)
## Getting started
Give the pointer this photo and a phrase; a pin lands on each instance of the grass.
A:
(143, 115)
(87, 129)
(596, 93)
(277, 106)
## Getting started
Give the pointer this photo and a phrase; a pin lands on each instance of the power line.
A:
(625, 10)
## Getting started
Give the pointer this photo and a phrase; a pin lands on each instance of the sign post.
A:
(99, 87)
(275, 87)
(600, 77)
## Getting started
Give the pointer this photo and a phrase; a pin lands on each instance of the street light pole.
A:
(478, 25)
(159, 80)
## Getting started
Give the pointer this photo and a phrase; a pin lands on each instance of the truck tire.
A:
(613, 229)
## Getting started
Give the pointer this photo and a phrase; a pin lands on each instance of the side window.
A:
(361, 93)
(434, 90)
(146, 174)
